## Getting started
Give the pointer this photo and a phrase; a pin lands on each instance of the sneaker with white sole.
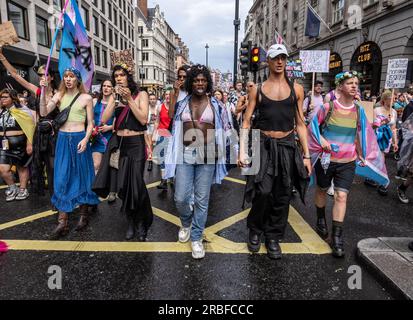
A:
(12, 196)
(198, 251)
(402, 196)
(184, 234)
(23, 194)
(10, 189)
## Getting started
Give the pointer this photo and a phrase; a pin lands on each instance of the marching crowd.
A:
(91, 148)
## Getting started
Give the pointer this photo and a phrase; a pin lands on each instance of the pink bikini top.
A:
(207, 115)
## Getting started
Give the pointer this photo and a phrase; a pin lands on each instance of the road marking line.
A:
(167, 216)
(235, 180)
(228, 222)
(27, 219)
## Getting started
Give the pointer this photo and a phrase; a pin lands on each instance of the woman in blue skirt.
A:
(73, 170)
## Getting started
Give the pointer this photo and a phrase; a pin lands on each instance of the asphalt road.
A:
(148, 273)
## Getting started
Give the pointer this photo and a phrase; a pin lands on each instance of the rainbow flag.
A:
(76, 50)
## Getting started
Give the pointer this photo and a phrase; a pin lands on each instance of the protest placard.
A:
(317, 61)
(8, 35)
(294, 69)
(396, 73)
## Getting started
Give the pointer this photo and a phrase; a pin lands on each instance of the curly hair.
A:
(132, 85)
(13, 95)
(195, 71)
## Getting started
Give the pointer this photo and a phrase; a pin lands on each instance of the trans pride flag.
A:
(375, 168)
(76, 50)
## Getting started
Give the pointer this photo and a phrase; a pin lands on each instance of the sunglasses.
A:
(181, 77)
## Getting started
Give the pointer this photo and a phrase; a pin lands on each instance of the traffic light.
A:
(255, 59)
(244, 56)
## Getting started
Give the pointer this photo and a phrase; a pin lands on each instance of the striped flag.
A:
(76, 50)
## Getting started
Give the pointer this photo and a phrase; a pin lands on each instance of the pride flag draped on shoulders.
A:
(76, 49)
(375, 168)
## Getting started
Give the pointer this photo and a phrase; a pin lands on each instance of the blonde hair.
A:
(62, 87)
(387, 94)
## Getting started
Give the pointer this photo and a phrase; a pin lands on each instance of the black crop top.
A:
(8, 122)
(275, 115)
(129, 122)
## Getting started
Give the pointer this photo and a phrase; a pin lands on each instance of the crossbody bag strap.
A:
(73, 101)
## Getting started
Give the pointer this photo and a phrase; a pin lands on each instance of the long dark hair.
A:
(193, 73)
(132, 85)
(100, 96)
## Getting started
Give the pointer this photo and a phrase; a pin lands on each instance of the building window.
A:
(18, 16)
(103, 31)
(124, 6)
(85, 17)
(43, 37)
(110, 11)
(96, 25)
(145, 56)
(115, 17)
(104, 58)
(121, 43)
(367, 3)
(120, 23)
(95, 2)
(145, 43)
(97, 56)
(110, 36)
(116, 41)
(102, 3)
(124, 26)
(338, 11)
(140, 30)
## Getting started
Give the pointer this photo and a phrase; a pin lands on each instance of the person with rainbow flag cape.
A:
(342, 144)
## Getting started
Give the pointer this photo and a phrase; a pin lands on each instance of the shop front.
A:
(336, 66)
(367, 59)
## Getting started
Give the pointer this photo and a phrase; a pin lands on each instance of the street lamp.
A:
(206, 49)
(142, 71)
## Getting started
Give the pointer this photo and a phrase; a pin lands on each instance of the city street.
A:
(98, 263)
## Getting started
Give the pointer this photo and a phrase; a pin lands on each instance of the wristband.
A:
(307, 157)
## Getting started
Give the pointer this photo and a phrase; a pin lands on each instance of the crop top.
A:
(77, 113)
(129, 122)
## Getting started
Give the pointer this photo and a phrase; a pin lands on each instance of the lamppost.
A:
(206, 49)
(142, 71)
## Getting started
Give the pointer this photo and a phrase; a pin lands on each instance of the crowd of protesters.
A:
(90, 149)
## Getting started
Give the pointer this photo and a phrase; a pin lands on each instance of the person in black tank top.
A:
(281, 163)
(131, 108)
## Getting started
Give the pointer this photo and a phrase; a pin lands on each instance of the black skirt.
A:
(16, 155)
(128, 181)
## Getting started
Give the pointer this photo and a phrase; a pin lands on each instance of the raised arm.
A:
(47, 107)
(15, 75)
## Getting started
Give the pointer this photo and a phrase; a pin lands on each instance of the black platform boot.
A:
(338, 241)
(254, 242)
(321, 226)
(130, 232)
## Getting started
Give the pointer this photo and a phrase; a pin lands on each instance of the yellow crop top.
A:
(77, 113)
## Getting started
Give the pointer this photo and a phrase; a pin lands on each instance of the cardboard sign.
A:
(294, 69)
(124, 58)
(369, 109)
(8, 35)
(396, 73)
(315, 61)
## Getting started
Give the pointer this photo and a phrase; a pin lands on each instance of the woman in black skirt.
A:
(130, 107)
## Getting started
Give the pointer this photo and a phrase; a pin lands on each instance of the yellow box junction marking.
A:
(311, 242)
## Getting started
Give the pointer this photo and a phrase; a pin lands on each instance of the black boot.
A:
(321, 226)
(130, 233)
(62, 228)
(163, 185)
(254, 242)
(141, 232)
(150, 165)
(273, 249)
(338, 242)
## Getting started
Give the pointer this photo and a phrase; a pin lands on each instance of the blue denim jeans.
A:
(193, 180)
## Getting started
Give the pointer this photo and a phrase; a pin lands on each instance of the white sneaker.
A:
(10, 189)
(12, 195)
(330, 191)
(198, 251)
(184, 234)
(23, 194)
